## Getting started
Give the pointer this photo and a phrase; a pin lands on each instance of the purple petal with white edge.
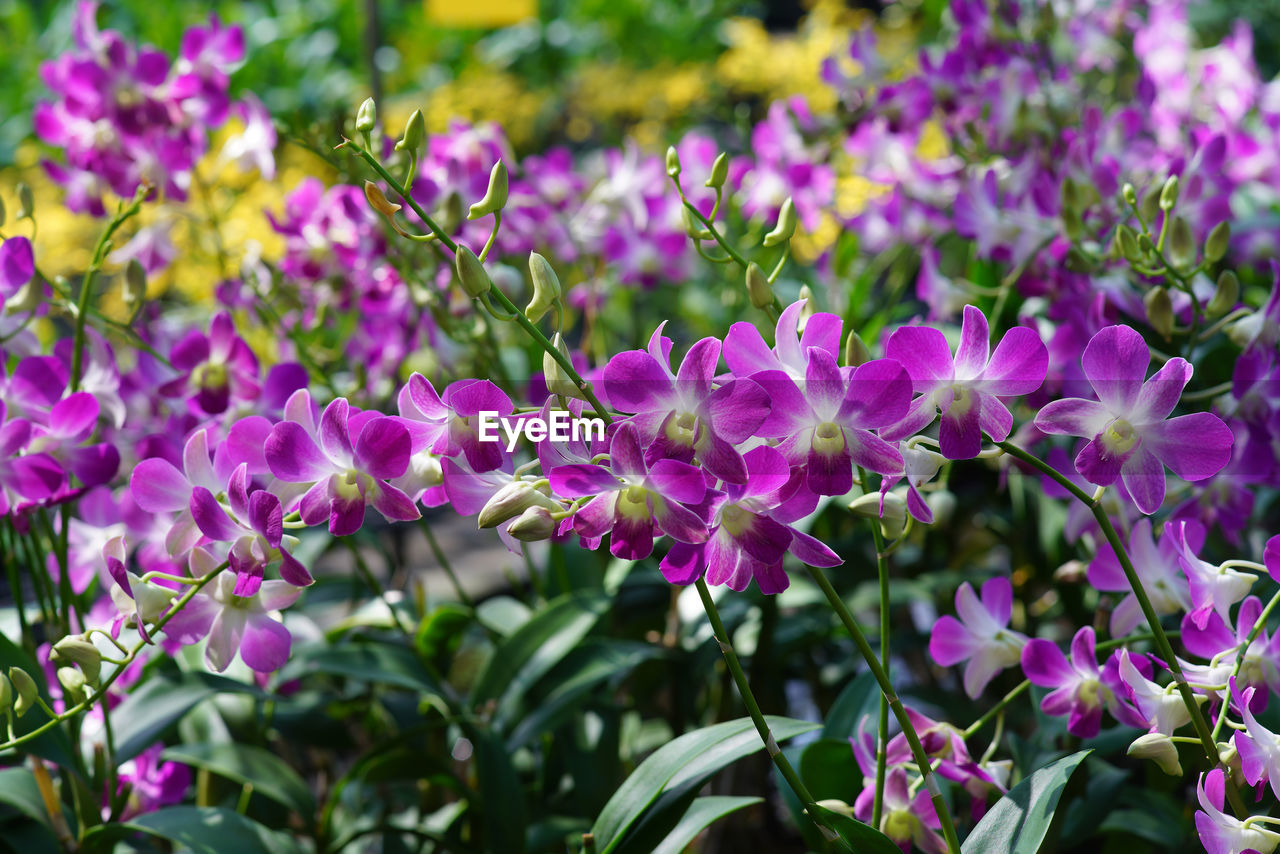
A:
(997, 599)
(292, 571)
(923, 351)
(1084, 656)
(631, 538)
(393, 504)
(822, 330)
(787, 343)
(919, 415)
(994, 417)
(678, 481)
(698, 369)
(683, 563)
(293, 456)
(812, 551)
(950, 642)
(720, 458)
(197, 464)
(829, 474)
(1073, 416)
(625, 458)
(158, 487)
(978, 673)
(335, 435)
(679, 522)
(418, 400)
(879, 395)
(1195, 446)
(960, 432)
(788, 407)
(1143, 475)
(222, 336)
(873, 453)
(383, 448)
(17, 265)
(1045, 665)
(634, 382)
(580, 479)
(314, 504)
(1161, 393)
(1115, 361)
(224, 638)
(824, 385)
(74, 417)
(745, 351)
(193, 623)
(211, 518)
(1096, 467)
(471, 397)
(595, 518)
(267, 517)
(346, 515)
(1019, 364)
(245, 443)
(737, 408)
(975, 346)
(265, 646)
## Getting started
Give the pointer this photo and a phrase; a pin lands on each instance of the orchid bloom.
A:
(1221, 833)
(1156, 566)
(981, 636)
(1081, 689)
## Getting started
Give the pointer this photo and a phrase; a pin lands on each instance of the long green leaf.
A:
(383, 663)
(702, 813)
(861, 838)
(158, 704)
(1019, 822)
(244, 763)
(201, 830)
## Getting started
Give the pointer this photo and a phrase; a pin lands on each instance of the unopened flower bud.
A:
(673, 161)
(1129, 194)
(855, 350)
(378, 200)
(26, 204)
(535, 523)
(546, 287)
(1144, 242)
(836, 805)
(25, 690)
(495, 197)
(1160, 749)
(512, 500)
(1181, 245)
(6, 695)
(890, 508)
(558, 381)
(693, 227)
(74, 649)
(149, 600)
(1215, 245)
(451, 212)
(1169, 193)
(415, 131)
(366, 116)
(806, 312)
(1149, 206)
(135, 283)
(786, 227)
(719, 171)
(73, 684)
(758, 289)
(1126, 243)
(943, 504)
(1225, 295)
(1159, 311)
(471, 274)
(1072, 224)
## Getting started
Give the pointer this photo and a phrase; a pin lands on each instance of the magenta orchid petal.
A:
(293, 455)
(1115, 360)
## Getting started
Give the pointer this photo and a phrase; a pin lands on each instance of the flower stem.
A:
(1258, 625)
(895, 703)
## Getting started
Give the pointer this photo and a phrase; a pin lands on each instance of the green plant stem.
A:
(1258, 625)
(780, 760)
(895, 703)
(443, 560)
(882, 739)
(999, 707)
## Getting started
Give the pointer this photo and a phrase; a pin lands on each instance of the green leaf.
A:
(702, 813)
(160, 703)
(18, 789)
(382, 663)
(858, 698)
(244, 763)
(202, 830)
(680, 766)
(502, 796)
(536, 647)
(441, 627)
(1019, 822)
(829, 769)
(862, 838)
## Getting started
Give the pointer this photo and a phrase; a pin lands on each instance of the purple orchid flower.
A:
(1162, 707)
(1225, 834)
(216, 368)
(1156, 566)
(680, 415)
(981, 636)
(1213, 589)
(24, 477)
(17, 266)
(634, 501)
(910, 819)
(746, 353)
(348, 459)
(152, 783)
(747, 540)
(447, 425)
(159, 487)
(1259, 747)
(968, 389)
(1081, 690)
(1216, 642)
(70, 422)
(1129, 435)
(826, 427)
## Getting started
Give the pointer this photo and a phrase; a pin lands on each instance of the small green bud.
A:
(1126, 243)
(1169, 193)
(558, 381)
(810, 306)
(719, 172)
(546, 287)
(1215, 245)
(6, 695)
(786, 227)
(1225, 296)
(415, 131)
(534, 524)
(1077, 261)
(135, 283)
(1160, 749)
(1159, 311)
(73, 684)
(366, 116)
(512, 500)
(893, 519)
(75, 649)
(673, 162)
(378, 200)
(495, 198)
(26, 204)
(855, 350)
(1130, 194)
(25, 688)
(1144, 243)
(451, 212)
(1181, 244)
(693, 228)
(1072, 224)
(758, 289)
(1149, 207)
(471, 273)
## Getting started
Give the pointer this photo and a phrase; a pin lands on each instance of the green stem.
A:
(895, 703)
(999, 707)
(443, 560)
(1258, 625)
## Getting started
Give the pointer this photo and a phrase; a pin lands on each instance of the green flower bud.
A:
(1160, 749)
(75, 649)
(1149, 206)
(135, 283)
(1159, 311)
(512, 500)
(1225, 296)
(1072, 224)
(786, 227)
(893, 520)
(855, 350)
(546, 287)
(693, 228)
(759, 291)
(6, 695)
(1078, 261)
(26, 204)
(532, 525)
(810, 306)
(73, 684)
(1215, 245)
(1169, 193)
(366, 116)
(1129, 194)
(415, 131)
(1144, 242)
(451, 212)
(25, 688)
(495, 198)
(1126, 244)
(471, 274)
(558, 381)
(378, 200)
(719, 171)
(673, 162)
(1181, 244)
